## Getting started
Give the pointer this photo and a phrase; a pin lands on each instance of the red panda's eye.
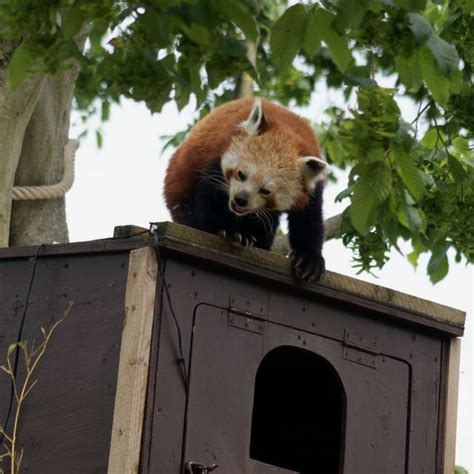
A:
(264, 191)
(242, 176)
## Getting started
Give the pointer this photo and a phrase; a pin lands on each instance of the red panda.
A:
(242, 166)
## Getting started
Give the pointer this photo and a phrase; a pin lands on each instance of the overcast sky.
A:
(122, 183)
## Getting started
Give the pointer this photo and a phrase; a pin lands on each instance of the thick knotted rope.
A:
(52, 191)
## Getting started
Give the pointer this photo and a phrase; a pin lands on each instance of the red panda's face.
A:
(254, 187)
(264, 171)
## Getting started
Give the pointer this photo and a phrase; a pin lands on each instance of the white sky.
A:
(122, 184)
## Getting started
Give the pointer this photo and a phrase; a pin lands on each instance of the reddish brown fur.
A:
(211, 137)
(229, 173)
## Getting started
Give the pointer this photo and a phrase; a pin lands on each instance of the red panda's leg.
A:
(183, 213)
(306, 235)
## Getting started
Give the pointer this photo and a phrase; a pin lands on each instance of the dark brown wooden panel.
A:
(66, 421)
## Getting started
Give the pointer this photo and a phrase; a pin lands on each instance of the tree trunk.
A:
(34, 126)
(41, 163)
(16, 108)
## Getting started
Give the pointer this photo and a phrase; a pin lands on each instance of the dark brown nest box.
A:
(216, 356)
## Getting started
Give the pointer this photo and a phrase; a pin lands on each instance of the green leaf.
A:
(412, 218)
(287, 36)
(343, 194)
(467, 6)
(337, 44)
(430, 139)
(420, 27)
(440, 271)
(411, 5)
(371, 189)
(437, 83)
(438, 265)
(350, 13)
(339, 49)
(444, 53)
(233, 48)
(240, 14)
(199, 34)
(412, 257)
(98, 137)
(20, 65)
(313, 34)
(105, 111)
(156, 26)
(408, 69)
(457, 170)
(408, 171)
(73, 21)
(461, 145)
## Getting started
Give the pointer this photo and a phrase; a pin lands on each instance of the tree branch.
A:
(244, 86)
(331, 228)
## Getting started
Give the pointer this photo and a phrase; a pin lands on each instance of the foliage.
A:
(411, 178)
(21, 389)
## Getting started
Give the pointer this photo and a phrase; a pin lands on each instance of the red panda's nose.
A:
(241, 199)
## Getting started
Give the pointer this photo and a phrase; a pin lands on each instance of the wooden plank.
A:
(269, 265)
(66, 422)
(134, 361)
(219, 249)
(451, 407)
(107, 245)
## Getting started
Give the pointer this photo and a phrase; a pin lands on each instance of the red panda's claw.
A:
(307, 267)
(222, 233)
(236, 237)
(252, 241)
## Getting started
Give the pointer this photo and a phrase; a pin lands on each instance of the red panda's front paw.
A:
(308, 267)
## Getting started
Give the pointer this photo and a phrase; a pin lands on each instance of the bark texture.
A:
(34, 126)
(16, 108)
(41, 163)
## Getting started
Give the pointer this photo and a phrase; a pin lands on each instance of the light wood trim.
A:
(452, 385)
(129, 405)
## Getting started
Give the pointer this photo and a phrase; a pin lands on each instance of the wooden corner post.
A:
(132, 377)
(451, 405)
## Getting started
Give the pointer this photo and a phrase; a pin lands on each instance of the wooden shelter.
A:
(215, 355)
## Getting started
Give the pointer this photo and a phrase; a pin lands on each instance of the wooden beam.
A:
(216, 248)
(451, 407)
(132, 378)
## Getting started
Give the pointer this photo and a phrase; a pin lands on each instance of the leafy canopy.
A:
(412, 180)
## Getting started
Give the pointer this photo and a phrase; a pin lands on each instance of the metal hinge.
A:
(247, 306)
(360, 349)
(247, 314)
(247, 324)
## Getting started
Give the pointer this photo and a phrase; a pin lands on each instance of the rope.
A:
(52, 191)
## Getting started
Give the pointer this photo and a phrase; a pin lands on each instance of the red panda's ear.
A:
(255, 122)
(314, 170)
